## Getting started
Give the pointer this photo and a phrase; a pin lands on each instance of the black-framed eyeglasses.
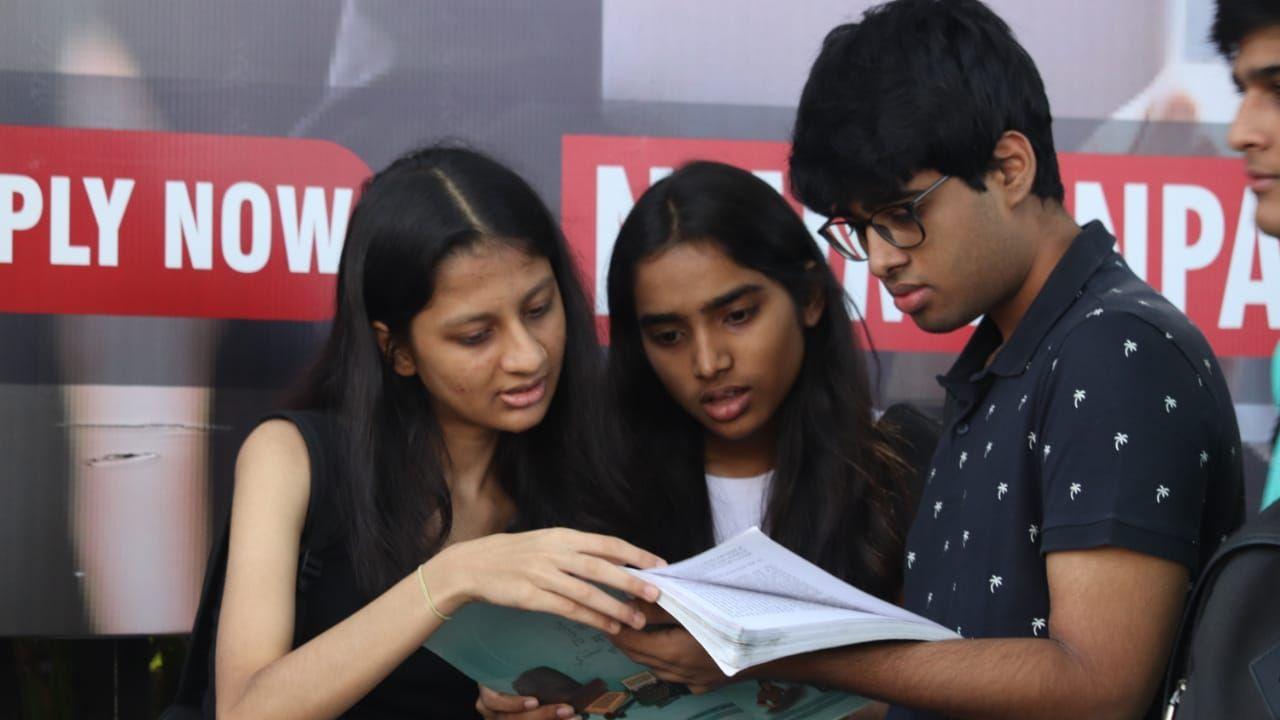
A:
(898, 224)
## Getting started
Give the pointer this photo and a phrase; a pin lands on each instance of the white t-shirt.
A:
(737, 503)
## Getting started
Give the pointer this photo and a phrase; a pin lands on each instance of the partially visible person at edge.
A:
(1247, 33)
(1090, 461)
(453, 404)
(744, 400)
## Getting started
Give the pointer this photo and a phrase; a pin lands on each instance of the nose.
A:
(1247, 130)
(884, 259)
(523, 354)
(709, 358)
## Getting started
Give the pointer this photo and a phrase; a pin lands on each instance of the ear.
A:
(813, 308)
(1015, 167)
(401, 360)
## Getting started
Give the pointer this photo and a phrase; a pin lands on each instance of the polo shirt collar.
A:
(1087, 253)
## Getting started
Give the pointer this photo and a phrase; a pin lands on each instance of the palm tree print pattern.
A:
(1090, 396)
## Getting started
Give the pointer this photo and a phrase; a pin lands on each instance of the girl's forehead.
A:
(487, 279)
(485, 261)
(690, 276)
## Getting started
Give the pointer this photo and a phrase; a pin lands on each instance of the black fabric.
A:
(1103, 421)
(914, 437)
(1228, 649)
(423, 686)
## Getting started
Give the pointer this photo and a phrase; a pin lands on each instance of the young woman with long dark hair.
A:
(734, 365)
(742, 398)
(451, 409)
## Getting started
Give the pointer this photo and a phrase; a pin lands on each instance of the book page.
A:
(752, 561)
(738, 604)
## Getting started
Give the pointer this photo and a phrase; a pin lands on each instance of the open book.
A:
(749, 600)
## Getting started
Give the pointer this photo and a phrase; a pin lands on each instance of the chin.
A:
(522, 420)
(937, 325)
(740, 429)
(1268, 217)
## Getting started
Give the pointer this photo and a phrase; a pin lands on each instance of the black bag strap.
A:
(319, 531)
(1263, 530)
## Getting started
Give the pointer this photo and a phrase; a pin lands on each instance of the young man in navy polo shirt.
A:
(1091, 460)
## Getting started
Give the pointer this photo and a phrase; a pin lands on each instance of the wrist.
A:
(447, 589)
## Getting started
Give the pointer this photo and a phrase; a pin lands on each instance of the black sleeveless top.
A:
(423, 686)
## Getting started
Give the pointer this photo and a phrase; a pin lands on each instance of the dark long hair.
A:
(837, 483)
(424, 207)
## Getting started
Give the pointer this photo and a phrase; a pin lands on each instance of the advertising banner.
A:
(176, 180)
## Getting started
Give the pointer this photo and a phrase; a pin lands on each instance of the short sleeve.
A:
(1126, 433)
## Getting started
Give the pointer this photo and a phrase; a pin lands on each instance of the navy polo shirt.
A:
(1103, 421)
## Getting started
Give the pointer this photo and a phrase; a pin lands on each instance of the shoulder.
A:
(1132, 322)
(277, 442)
(273, 470)
(1132, 354)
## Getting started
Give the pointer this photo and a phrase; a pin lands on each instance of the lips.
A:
(726, 404)
(524, 396)
(909, 298)
(1260, 181)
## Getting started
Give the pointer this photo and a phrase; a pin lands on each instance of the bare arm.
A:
(1113, 618)
(260, 675)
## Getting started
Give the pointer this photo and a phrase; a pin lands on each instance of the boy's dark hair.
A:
(916, 85)
(1236, 18)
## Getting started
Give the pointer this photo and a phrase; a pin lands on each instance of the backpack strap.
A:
(1263, 530)
(320, 530)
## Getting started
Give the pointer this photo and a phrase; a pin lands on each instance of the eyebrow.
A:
(896, 197)
(710, 306)
(1266, 72)
(478, 317)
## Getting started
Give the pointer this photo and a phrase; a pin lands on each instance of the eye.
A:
(740, 316)
(899, 214)
(475, 338)
(538, 311)
(665, 338)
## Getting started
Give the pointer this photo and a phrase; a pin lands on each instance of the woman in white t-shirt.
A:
(741, 391)
(742, 399)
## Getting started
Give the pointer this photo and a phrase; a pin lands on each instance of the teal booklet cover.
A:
(559, 661)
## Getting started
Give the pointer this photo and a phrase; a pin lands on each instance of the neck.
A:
(1055, 230)
(745, 457)
(468, 458)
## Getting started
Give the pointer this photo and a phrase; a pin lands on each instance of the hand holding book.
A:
(666, 648)
(747, 601)
(557, 571)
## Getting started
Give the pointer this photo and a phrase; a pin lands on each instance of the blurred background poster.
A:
(175, 179)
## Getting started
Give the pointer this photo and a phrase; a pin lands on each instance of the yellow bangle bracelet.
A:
(422, 583)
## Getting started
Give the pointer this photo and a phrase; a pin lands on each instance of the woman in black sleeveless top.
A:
(452, 402)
